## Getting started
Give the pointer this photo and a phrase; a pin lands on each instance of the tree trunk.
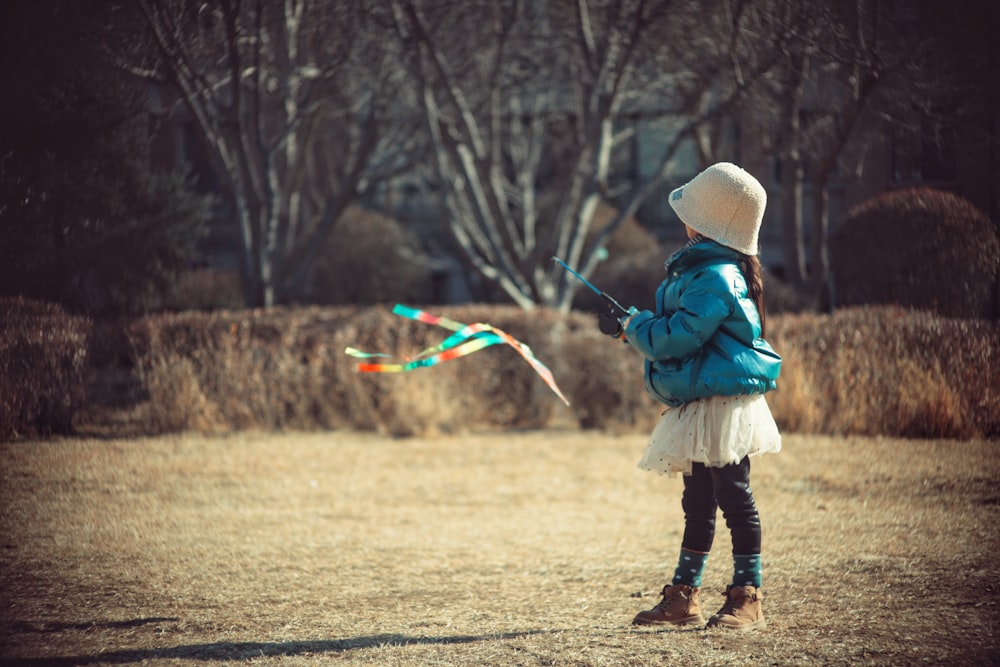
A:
(793, 222)
(793, 241)
(820, 285)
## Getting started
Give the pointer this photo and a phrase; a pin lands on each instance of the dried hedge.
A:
(865, 370)
(371, 259)
(43, 358)
(888, 371)
(868, 370)
(286, 368)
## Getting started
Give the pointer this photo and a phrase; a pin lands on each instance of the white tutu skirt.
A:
(715, 431)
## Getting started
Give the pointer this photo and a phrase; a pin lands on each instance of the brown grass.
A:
(509, 548)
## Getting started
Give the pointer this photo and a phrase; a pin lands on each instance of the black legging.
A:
(707, 489)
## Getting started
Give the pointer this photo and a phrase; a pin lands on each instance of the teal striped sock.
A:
(747, 570)
(690, 567)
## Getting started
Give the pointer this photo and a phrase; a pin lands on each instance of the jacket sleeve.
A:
(703, 306)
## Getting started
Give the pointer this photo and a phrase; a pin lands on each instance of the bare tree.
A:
(291, 99)
(524, 99)
(721, 53)
(780, 105)
(852, 70)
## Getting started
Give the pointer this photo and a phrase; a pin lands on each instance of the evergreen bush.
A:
(918, 248)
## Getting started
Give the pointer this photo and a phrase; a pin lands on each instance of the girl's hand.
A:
(612, 323)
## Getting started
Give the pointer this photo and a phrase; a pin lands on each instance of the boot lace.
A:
(732, 603)
(670, 593)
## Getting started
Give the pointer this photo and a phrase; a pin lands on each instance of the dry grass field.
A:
(528, 548)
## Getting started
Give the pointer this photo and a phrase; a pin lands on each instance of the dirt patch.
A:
(517, 548)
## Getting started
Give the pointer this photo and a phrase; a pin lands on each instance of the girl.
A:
(707, 359)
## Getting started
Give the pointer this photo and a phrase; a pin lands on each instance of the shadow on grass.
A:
(232, 651)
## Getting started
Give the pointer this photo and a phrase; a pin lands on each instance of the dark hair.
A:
(754, 275)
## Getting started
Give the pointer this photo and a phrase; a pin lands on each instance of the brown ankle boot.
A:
(679, 606)
(742, 610)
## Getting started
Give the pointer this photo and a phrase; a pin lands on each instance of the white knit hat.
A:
(725, 203)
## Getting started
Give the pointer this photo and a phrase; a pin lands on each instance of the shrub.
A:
(603, 380)
(231, 370)
(369, 259)
(919, 248)
(205, 289)
(780, 297)
(634, 267)
(43, 354)
(867, 371)
(887, 371)
(286, 368)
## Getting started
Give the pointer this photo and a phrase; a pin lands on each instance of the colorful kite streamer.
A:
(468, 338)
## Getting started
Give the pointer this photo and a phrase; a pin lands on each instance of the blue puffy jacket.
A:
(705, 337)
